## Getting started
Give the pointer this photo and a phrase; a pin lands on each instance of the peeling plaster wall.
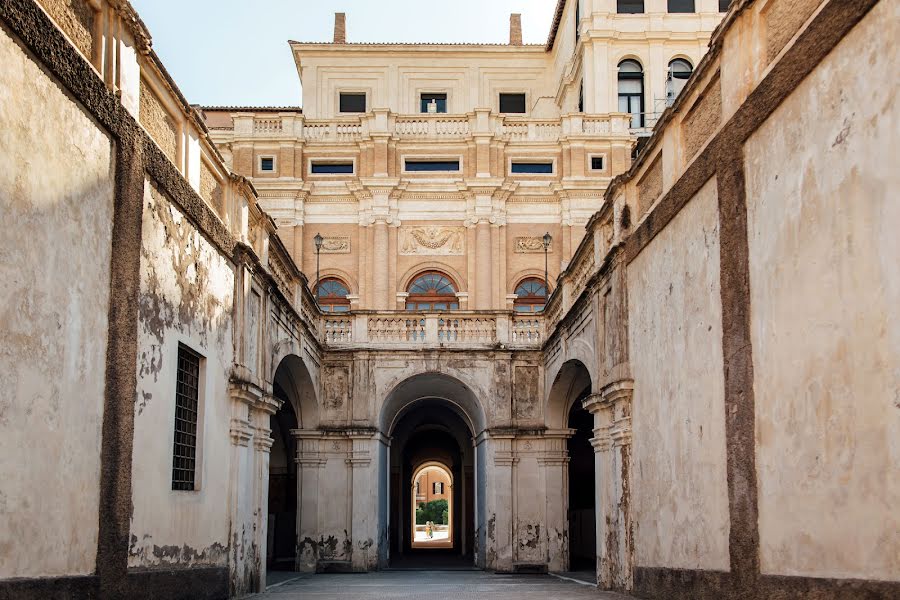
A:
(825, 314)
(679, 498)
(56, 203)
(186, 297)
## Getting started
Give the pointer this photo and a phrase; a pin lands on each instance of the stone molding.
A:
(531, 245)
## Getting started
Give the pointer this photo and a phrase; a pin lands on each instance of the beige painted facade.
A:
(719, 348)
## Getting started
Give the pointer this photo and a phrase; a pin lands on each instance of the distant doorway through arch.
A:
(433, 421)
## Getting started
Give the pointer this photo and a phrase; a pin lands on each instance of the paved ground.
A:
(415, 585)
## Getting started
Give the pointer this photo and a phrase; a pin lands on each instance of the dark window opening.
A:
(724, 5)
(681, 6)
(432, 165)
(581, 98)
(267, 164)
(332, 168)
(352, 103)
(512, 103)
(631, 91)
(577, 20)
(531, 167)
(596, 163)
(630, 7)
(187, 405)
(434, 103)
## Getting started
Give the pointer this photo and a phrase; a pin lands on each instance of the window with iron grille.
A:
(187, 405)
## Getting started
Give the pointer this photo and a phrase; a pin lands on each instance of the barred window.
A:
(187, 400)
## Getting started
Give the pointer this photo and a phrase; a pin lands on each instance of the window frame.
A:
(446, 96)
(259, 162)
(679, 11)
(431, 158)
(590, 162)
(632, 76)
(417, 299)
(522, 93)
(510, 160)
(530, 301)
(332, 301)
(194, 484)
(351, 92)
(330, 160)
(643, 8)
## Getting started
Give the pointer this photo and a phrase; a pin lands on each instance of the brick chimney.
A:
(515, 29)
(340, 28)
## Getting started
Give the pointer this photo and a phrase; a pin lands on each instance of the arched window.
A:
(332, 295)
(531, 295)
(631, 91)
(432, 290)
(679, 72)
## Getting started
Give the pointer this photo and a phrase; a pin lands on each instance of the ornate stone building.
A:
(234, 337)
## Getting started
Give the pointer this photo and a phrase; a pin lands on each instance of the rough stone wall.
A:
(158, 122)
(783, 19)
(703, 119)
(650, 186)
(56, 206)
(825, 314)
(186, 297)
(76, 19)
(211, 190)
(679, 492)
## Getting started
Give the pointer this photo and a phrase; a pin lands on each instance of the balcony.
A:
(426, 127)
(420, 330)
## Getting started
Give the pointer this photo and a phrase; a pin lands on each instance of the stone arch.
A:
(519, 276)
(332, 273)
(293, 375)
(568, 384)
(458, 395)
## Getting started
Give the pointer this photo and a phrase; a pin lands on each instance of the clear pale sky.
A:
(235, 52)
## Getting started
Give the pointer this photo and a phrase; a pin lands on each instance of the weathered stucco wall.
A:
(680, 503)
(825, 314)
(186, 297)
(56, 207)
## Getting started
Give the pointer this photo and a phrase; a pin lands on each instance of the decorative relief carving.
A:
(336, 387)
(338, 244)
(442, 241)
(531, 245)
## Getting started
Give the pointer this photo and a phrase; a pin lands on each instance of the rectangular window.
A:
(596, 163)
(512, 103)
(432, 165)
(630, 7)
(437, 487)
(724, 5)
(433, 103)
(187, 408)
(577, 20)
(681, 6)
(352, 102)
(267, 163)
(531, 167)
(331, 168)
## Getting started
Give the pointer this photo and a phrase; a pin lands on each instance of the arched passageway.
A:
(293, 387)
(570, 388)
(432, 421)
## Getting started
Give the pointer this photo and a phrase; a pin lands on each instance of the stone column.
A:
(483, 270)
(380, 247)
(263, 409)
(612, 446)
(501, 512)
(310, 462)
(364, 485)
(243, 396)
(555, 464)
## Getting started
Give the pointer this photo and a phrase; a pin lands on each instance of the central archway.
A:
(432, 421)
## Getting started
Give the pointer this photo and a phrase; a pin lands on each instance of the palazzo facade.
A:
(627, 301)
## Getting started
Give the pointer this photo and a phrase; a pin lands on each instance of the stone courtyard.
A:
(455, 585)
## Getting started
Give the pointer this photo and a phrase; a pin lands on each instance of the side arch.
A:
(294, 377)
(570, 383)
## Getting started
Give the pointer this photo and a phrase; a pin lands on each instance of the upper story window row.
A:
(630, 7)
(430, 103)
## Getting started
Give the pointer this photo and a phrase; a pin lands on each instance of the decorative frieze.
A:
(531, 245)
(434, 241)
(337, 244)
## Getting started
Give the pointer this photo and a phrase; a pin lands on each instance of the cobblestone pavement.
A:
(413, 585)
